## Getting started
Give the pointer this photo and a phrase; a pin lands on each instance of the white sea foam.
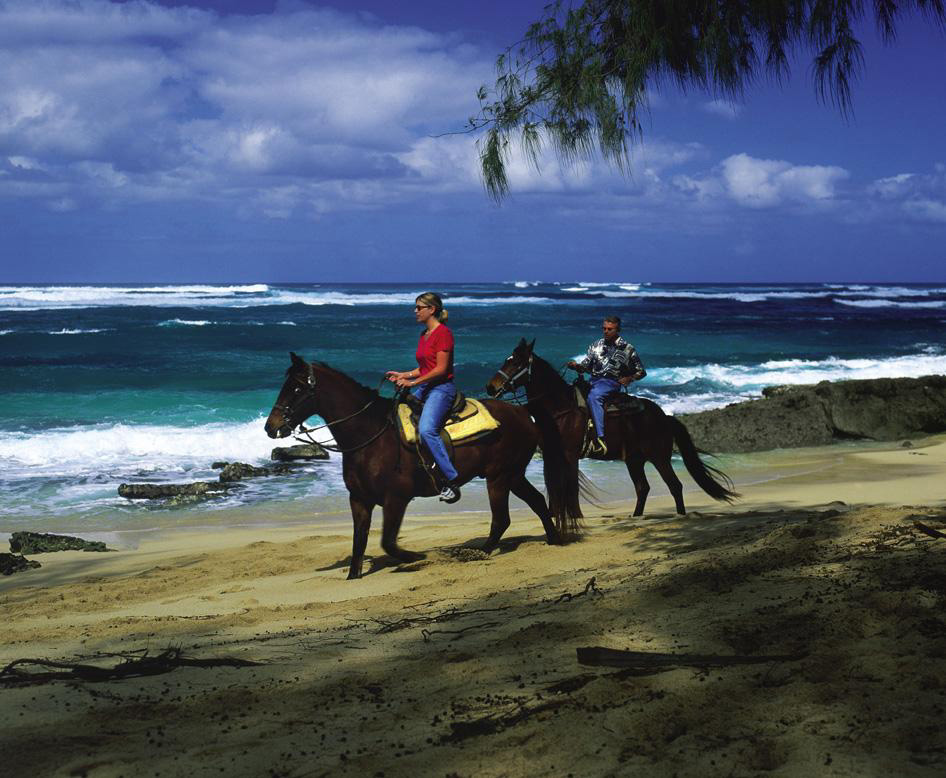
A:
(883, 303)
(5, 332)
(802, 371)
(186, 323)
(123, 450)
(75, 332)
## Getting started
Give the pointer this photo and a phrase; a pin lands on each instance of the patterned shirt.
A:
(613, 360)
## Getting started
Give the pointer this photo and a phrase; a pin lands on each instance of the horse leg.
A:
(534, 499)
(499, 507)
(635, 469)
(361, 516)
(394, 507)
(673, 483)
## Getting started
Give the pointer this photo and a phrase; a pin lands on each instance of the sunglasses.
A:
(421, 307)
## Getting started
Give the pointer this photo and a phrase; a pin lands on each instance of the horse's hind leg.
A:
(665, 468)
(534, 499)
(394, 508)
(635, 469)
(499, 507)
(361, 516)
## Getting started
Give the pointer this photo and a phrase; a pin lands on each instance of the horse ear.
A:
(296, 359)
(522, 343)
(531, 345)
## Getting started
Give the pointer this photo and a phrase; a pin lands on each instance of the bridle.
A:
(509, 384)
(308, 387)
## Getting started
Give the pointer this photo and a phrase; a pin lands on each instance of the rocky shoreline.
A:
(882, 409)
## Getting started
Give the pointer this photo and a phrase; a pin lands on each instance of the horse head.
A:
(296, 400)
(515, 371)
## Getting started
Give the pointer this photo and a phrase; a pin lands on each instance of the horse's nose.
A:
(490, 389)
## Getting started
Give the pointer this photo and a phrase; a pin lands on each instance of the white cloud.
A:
(179, 103)
(725, 108)
(761, 183)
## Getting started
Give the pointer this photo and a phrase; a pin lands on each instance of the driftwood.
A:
(655, 662)
(933, 533)
(129, 667)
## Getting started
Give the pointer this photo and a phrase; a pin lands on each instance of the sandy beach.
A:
(467, 666)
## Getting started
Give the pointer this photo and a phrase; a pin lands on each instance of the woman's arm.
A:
(440, 370)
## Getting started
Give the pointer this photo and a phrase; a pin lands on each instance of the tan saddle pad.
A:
(472, 421)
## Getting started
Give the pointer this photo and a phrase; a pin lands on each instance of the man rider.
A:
(613, 363)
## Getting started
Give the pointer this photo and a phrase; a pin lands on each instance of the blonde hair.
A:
(433, 299)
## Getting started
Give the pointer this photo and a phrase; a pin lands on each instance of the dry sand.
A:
(462, 665)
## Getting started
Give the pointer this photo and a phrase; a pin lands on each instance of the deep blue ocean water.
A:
(104, 384)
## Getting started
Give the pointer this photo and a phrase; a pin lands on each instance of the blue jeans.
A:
(600, 387)
(437, 401)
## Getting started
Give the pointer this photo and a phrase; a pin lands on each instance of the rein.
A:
(309, 387)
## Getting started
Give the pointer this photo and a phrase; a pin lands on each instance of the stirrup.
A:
(597, 449)
(450, 493)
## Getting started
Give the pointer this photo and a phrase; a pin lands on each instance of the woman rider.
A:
(432, 383)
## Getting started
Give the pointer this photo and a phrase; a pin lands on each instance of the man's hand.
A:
(625, 380)
(573, 365)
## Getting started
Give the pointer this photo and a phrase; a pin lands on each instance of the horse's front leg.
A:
(394, 507)
(534, 499)
(498, 491)
(361, 516)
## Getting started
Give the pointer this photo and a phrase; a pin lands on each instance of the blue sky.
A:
(294, 141)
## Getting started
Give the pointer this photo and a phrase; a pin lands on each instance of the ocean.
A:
(106, 384)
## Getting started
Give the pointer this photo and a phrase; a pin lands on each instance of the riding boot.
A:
(450, 492)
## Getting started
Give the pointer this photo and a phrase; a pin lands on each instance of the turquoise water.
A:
(105, 384)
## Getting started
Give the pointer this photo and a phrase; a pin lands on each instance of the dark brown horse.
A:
(380, 470)
(636, 438)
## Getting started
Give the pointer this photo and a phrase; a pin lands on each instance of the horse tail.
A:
(563, 480)
(710, 479)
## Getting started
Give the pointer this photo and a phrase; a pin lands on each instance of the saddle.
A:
(616, 405)
(467, 421)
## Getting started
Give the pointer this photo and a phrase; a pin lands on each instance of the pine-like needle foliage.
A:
(577, 80)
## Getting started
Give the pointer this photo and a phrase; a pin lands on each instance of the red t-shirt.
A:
(441, 339)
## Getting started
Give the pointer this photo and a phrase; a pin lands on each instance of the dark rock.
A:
(791, 416)
(14, 563)
(159, 491)
(304, 451)
(39, 542)
(907, 444)
(219, 465)
(236, 471)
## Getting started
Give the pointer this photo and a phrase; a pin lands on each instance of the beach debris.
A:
(42, 542)
(927, 530)
(450, 614)
(130, 665)
(303, 451)
(591, 590)
(159, 491)
(237, 471)
(646, 662)
(466, 554)
(16, 563)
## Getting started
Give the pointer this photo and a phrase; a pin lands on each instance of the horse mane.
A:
(353, 385)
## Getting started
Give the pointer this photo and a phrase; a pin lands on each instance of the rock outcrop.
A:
(237, 471)
(303, 452)
(41, 542)
(160, 491)
(14, 563)
(819, 414)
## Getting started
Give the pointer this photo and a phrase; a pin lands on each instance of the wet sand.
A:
(465, 665)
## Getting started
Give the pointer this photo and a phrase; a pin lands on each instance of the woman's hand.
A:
(403, 380)
(393, 376)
